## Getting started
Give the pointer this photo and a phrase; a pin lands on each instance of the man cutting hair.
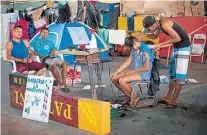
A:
(180, 55)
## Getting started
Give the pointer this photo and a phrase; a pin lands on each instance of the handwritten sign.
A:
(38, 98)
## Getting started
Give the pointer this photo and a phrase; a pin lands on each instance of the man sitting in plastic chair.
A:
(142, 58)
(20, 51)
(46, 50)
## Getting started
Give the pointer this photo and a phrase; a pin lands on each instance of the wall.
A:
(197, 25)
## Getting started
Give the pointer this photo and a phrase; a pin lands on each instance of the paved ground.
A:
(189, 118)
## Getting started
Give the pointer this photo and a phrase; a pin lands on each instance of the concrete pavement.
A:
(189, 118)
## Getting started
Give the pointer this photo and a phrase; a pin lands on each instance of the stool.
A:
(139, 83)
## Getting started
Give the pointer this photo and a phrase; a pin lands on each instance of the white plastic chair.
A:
(198, 48)
(36, 58)
(11, 61)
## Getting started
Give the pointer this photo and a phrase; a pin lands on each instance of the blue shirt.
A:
(145, 48)
(139, 59)
(43, 47)
(19, 50)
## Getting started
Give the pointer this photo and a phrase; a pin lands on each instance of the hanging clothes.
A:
(40, 28)
(39, 23)
(112, 7)
(104, 35)
(113, 17)
(37, 14)
(64, 13)
(131, 22)
(6, 19)
(14, 17)
(117, 36)
(25, 28)
(11, 30)
(31, 29)
(105, 20)
(102, 6)
(5, 24)
(73, 5)
(92, 15)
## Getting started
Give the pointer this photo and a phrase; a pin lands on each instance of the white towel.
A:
(117, 36)
(39, 23)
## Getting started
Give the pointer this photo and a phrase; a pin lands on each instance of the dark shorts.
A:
(22, 67)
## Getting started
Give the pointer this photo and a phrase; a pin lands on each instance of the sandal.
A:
(162, 100)
(135, 101)
(170, 106)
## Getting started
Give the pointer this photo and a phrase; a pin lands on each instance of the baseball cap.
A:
(147, 22)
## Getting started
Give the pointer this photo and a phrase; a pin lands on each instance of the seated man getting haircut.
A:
(141, 57)
(20, 51)
(46, 50)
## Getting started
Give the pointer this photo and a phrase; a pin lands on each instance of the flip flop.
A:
(134, 105)
(170, 106)
(161, 101)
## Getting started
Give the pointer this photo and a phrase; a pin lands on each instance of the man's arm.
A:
(53, 52)
(9, 47)
(53, 48)
(125, 64)
(31, 53)
(146, 64)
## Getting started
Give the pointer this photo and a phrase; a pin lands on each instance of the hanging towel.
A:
(40, 28)
(105, 20)
(113, 17)
(39, 23)
(122, 23)
(25, 28)
(37, 13)
(14, 17)
(117, 36)
(5, 20)
(73, 5)
(104, 35)
(131, 23)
